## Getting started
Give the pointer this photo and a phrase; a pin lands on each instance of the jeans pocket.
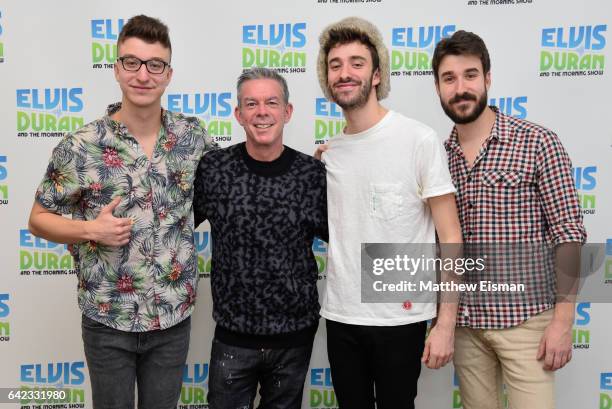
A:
(88, 323)
(538, 322)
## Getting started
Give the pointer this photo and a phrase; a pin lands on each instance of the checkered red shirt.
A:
(519, 190)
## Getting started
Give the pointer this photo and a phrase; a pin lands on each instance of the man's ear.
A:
(288, 112)
(376, 77)
(238, 115)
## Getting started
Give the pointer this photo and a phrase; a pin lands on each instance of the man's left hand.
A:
(439, 346)
(556, 345)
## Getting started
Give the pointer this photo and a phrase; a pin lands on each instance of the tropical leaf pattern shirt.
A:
(150, 283)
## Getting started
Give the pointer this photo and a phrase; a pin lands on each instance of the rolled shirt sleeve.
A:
(558, 196)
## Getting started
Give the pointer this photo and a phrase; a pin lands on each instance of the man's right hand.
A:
(110, 230)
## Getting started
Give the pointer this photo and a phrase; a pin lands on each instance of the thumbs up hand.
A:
(108, 229)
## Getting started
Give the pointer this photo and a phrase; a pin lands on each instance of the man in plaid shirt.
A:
(514, 185)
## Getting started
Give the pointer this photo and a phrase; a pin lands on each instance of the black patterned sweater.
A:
(264, 217)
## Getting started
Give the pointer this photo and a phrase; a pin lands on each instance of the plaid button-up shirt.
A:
(520, 189)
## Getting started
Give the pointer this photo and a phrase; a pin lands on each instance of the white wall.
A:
(49, 45)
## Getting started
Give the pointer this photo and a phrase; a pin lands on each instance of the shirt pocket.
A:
(507, 195)
(386, 200)
(502, 178)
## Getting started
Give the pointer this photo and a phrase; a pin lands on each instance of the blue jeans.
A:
(235, 373)
(118, 359)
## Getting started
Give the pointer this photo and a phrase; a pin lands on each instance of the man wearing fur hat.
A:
(388, 182)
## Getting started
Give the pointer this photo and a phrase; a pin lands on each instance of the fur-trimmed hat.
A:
(363, 27)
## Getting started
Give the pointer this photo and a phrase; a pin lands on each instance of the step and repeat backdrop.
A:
(549, 65)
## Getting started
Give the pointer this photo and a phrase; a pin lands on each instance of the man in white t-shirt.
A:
(387, 182)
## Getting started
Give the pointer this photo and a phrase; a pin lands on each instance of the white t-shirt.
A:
(377, 185)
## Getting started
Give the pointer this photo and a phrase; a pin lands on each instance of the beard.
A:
(358, 100)
(465, 117)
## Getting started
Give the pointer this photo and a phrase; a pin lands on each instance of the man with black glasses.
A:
(127, 181)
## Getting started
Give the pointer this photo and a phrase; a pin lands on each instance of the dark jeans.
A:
(235, 373)
(117, 359)
(375, 364)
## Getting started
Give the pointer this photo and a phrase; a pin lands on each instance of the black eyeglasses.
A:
(134, 64)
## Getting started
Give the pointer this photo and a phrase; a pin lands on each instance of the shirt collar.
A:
(502, 131)
(120, 128)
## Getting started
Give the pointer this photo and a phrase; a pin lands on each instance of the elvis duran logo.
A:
(1, 43)
(321, 393)
(48, 112)
(203, 245)
(513, 106)
(573, 51)
(329, 120)
(319, 248)
(213, 109)
(104, 34)
(456, 393)
(585, 179)
(38, 257)
(279, 46)
(3, 177)
(412, 48)
(5, 311)
(605, 390)
(581, 335)
(195, 387)
(65, 377)
(608, 263)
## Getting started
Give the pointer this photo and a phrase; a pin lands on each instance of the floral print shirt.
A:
(150, 283)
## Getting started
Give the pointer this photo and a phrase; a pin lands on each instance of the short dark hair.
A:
(344, 35)
(148, 29)
(461, 43)
(259, 73)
